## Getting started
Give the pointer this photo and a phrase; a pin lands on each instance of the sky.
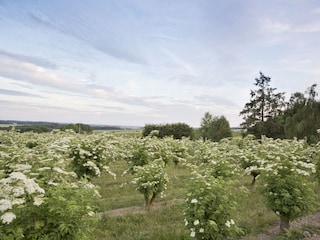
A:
(137, 62)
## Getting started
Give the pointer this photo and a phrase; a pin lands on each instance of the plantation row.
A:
(49, 187)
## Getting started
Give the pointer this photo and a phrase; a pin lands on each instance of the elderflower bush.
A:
(208, 208)
(40, 198)
(316, 156)
(287, 188)
(88, 156)
(151, 180)
(218, 159)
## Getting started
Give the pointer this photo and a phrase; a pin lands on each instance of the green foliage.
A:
(264, 103)
(288, 191)
(138, 157)
(176, 130)
(62, 215)
(266, 114)
(78, 128)
(88, 157)
(305, 232)
(214, 128)
(42, 198)
(31, 144)
(39, 199)
(208, 208)
(206, 126)
(316, 157)
(151, 180)
(302, 118)
(272, 128)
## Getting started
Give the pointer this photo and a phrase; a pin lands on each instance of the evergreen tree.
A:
(265, 103)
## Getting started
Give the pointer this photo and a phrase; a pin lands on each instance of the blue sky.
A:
(133, 62)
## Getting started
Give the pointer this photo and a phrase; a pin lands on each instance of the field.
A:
(121, 211)
(125, 216)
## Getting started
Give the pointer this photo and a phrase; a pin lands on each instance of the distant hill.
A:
(7, 124)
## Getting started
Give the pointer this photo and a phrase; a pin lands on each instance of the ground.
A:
(313, 219)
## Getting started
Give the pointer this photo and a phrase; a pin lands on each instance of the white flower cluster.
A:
(229, 223)
(107, 169)
(59, 170)
(92, 166)
(13, 190)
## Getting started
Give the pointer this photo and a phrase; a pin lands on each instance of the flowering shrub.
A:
(88, 156)
(138, 157)
(317, 158)
(40, 198)
(208, 208)
(151, 180)
(288, 191)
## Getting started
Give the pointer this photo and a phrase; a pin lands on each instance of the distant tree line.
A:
(37, 127)
(267, 113)
(176, 130)
(40, 127)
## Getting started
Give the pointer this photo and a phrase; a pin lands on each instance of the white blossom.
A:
(185, 222)
(37, 201)
(22, 167)
(44, 169)
(91, 165)
(194, 200)
(18, 201)
(196, 222)
(31, 187)
(52, 183)
(8, 217)
(59, 170)
(18, 191)
(91, 213)
(229, 223)
(5, 204)
(18, 176)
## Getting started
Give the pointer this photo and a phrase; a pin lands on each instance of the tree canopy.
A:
(268, 114)
(176, 130)
(214, 128)
(264, 103)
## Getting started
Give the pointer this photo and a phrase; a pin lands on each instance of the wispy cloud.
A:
(107, 37)
(189, 69)
(34, 60)
(16, 93)
(18, 70)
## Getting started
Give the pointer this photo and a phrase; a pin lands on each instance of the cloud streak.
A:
(16, 93)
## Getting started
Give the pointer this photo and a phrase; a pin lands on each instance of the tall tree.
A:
(264, 103)
(221, 128)
(214, 128)
(206, 126)
(302, 118)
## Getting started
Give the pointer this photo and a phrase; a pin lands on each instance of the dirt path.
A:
(313, 219)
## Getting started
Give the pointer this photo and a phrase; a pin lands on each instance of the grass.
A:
(167, 222)
(120, 192)
(164, 223)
